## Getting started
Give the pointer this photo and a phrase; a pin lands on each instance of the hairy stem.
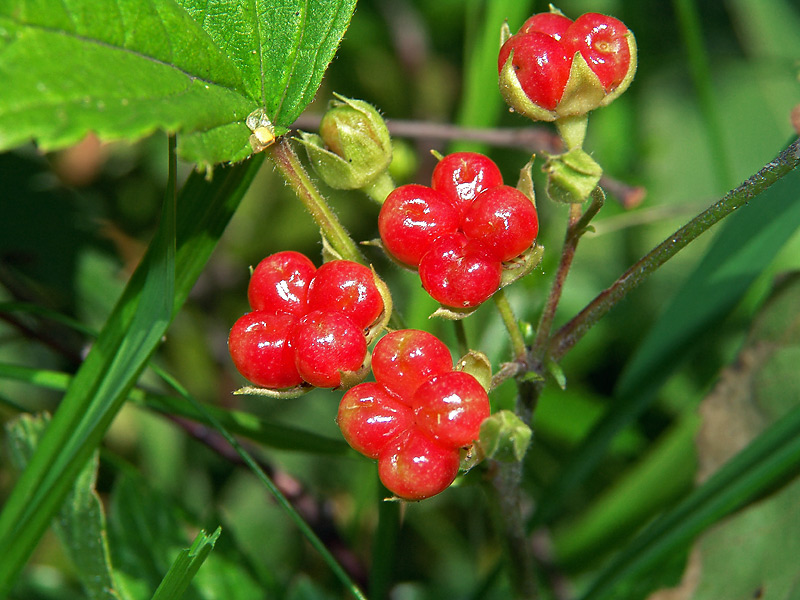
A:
(573, 331)
(506, 496)
(288, 164)
(576, 227)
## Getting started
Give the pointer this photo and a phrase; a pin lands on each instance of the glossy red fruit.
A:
(542, 66)
(415, 467)
(552, 24)
(370, 417)
(279, 283)
(459, 272)
(348, 288)
(325, 344)
(259, 344)
(404, 359)
(451, 407)
(411, 218)
(602, 42)
(504, 219)
(461, 176)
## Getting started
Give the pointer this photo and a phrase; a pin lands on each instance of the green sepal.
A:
(452, 314)
(504, 437)
(374, 330)
(571, 176)
(525, 181)
(478, 365)
(286, 394)
(557, 373)
(352, 378)
(515, 96)
(522, 265)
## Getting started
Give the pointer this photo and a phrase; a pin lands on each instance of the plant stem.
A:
(539, 347)
(506, 495)
(510, 321)
(285, 159)
(573, 331)
(461, 337)
(380, 187)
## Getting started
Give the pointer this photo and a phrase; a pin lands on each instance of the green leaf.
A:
(125, 68)
(185, 567)
(156, 290)
(80, 524)
(271, 434)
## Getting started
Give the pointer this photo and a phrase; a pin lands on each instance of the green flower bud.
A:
(354, 147)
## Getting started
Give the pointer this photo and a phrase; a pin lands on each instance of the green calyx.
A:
(571, 176)
(504, 437)
(354, 147)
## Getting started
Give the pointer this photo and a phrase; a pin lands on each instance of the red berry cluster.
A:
(308, 324)
(545, 46)
(459, 231)
(416, 416)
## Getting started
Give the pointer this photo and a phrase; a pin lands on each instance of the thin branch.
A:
(288, 164)
(536, 139)
(573, 331)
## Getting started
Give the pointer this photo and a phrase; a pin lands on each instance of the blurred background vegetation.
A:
(709, 106)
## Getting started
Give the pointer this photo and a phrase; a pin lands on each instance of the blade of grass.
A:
(267, 433)
(767, 461)
(282, 501)
(185, 567)
(157, 289)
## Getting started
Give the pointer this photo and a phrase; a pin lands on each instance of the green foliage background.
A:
(710, 105)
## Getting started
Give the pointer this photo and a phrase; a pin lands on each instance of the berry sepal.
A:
(504, 437)
(376, 328)
(522, 265)
(572, 176)
(478, 365)
(285, 394)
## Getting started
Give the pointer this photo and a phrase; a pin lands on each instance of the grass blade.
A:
(157, 289)
(766, 462)
(185, 567)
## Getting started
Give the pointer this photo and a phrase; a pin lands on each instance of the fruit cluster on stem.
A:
(462, 231)
(417, 416)
(308, 326)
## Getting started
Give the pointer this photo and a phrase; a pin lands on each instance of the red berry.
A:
(504, 219)
(552, 24)
(325, 344)
(415, 467)
(259, 344)
(459, 272)
(542, 66)
(463, 175)
(602, 42)
(451, 407)
(411, 218)
(404, 359)
(370, 417)
(279, 283)
(348, 288)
